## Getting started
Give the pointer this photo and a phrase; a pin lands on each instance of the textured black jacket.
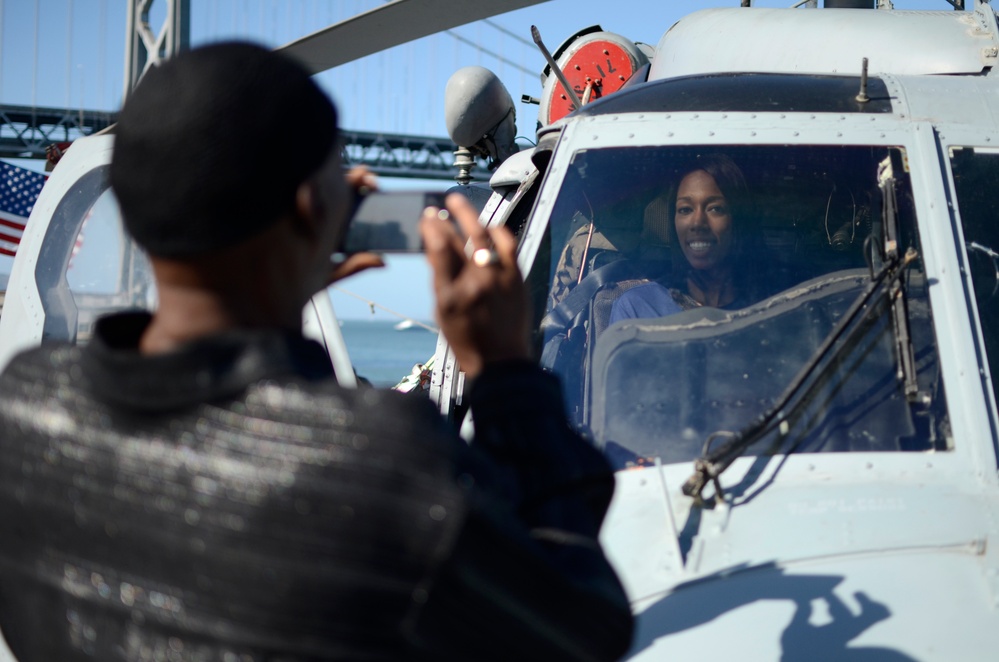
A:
(230, 501)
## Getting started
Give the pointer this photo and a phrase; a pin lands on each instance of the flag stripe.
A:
(4, 251)
(12, 224)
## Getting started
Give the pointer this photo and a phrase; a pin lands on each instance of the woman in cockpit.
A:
(716, 251)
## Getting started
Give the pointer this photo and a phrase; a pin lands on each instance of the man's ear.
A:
(308, 213)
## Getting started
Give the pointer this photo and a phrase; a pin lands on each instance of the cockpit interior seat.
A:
(603, 301)
(590, 246)
(568, 327)
(601, 260)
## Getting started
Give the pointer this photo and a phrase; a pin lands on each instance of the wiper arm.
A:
(903, 344)
(712, 463)
(899, 302)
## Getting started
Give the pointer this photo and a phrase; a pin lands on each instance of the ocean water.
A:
(383, 355)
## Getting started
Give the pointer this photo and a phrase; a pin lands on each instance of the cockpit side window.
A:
(976, 179)
(88, 265)
(688, 286)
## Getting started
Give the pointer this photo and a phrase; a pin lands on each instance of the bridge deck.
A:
(26, 131)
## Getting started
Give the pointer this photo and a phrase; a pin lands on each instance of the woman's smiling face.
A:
(703, 221)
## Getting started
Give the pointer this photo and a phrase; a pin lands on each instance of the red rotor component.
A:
(602, 66)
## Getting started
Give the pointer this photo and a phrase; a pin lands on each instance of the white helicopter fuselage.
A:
(882, 549)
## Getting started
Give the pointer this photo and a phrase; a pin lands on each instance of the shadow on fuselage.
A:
(695, 604)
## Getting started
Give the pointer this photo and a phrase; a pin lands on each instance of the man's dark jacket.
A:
(229, 501)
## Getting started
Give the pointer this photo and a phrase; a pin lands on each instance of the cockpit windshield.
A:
(686, 288)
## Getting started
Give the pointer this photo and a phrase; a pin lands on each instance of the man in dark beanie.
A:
(194, 484)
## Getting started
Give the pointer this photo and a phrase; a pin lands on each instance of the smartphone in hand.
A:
(388, 221)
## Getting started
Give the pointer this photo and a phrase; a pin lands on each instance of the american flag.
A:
(19, 188)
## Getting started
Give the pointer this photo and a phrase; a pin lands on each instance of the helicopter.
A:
(808, 470)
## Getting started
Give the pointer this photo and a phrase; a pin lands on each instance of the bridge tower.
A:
(145, 49)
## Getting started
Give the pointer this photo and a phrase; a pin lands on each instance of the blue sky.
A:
(70, 53)
(77, 58)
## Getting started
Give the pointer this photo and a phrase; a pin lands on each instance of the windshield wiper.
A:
(712, 463)
(886, 282)
(899, 302)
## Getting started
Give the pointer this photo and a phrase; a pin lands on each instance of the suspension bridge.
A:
(391, 103)
(27, 132)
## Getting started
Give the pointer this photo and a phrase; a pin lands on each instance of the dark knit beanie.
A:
(212, 145)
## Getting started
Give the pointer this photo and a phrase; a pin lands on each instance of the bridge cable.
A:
(1, 49)
(497, 56)
(34, 67)
(102, 56)
(479, 47)
(69, 54)
(373, 304)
